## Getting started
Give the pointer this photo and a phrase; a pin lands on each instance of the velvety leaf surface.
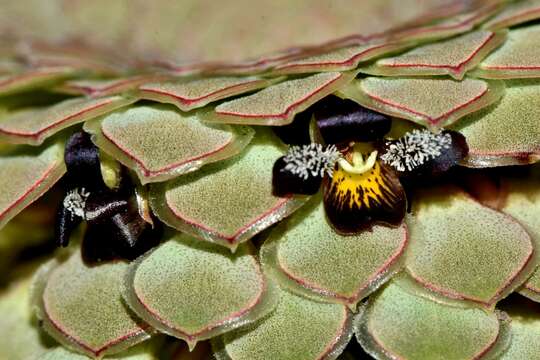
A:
(277, 104)
(195, 290)
(192, 94)
(26, 176)
(20, 335)
(454, 57)
(514, 14)
(74, 300)
(159, 142)
(448, 27)
(430, 102)
(31, 79)
(139, 352)
(525, 331)
(311, 330)
(506, 133)
(523, 203)
(100, 87)
(338, 60)
(466, 251)
(398, 325)
(230, 201)
(518, 57)
(309, 257)
(33, 126)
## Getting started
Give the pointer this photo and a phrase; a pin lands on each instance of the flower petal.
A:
(355, 202)
(343, 120)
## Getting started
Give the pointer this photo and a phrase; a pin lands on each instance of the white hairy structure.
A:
(75, 202)
(311, 160)
(415, 148)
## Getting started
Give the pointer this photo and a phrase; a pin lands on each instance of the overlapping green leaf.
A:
(306, 255)
(74, 300)
(32, 79)
(277, 104)
(506, 133)
(523, 203)
(463, 250)
(107, 87)
(26, 175)
(518, 57)
(33, 126)
(429, 102)
(515, 13)
(311, 330)
(230, 201)
(454, 57)
(192, 94)
(342, 59)
(398, 325)
(195, 290)
(160, 142)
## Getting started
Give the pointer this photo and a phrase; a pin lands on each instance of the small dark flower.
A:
(361, 181)
(115, 228)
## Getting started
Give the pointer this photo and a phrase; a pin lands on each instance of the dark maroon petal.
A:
(342, 120)
(297, 132)
(356, 202)
(82, 161)
(101, 206)
(284, 182)
(65, 223)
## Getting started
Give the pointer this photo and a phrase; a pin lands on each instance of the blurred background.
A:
(184, 31)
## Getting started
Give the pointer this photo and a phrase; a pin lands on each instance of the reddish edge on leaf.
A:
(96, 352)
(289, 109)
(348, 62)
(147, 172)
(456, 69)
(38, 183)
(192, 337)
(503, 288)
(431, 120)
(36, 134)
(231, 239)
(354, 298)
(190, 101)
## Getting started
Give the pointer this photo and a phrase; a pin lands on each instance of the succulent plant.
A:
(373, 194)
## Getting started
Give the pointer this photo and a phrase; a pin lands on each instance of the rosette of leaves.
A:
(374, 194)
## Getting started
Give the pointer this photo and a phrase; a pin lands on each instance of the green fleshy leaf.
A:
(32, 79)
(195, 290)
(277, 104)
(463, 250)
(299, 329)
(28, 174)
(452, 57)
(434, 103)
(100, 87)
(523, 203)
(398, 325)
(160, 142)
(518, 57)
(73, 300)
(506, 133)
(230, 201)
(525, 331)
(514, 14)
(307, 256)
(192, 94)
(449, 26)
(20, 335)
(342, 59)
(143, 351)
(33, 126)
